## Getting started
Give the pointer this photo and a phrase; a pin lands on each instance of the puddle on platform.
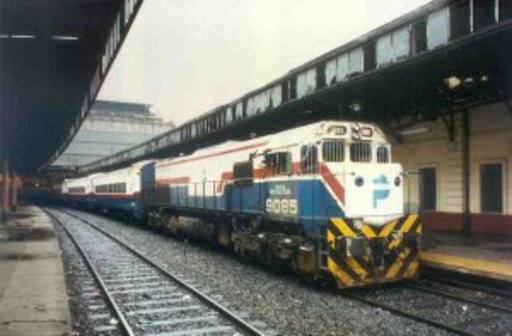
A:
(15, 216)
(25, 234)
(24, 256)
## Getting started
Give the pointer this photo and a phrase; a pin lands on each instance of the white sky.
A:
(186, 57)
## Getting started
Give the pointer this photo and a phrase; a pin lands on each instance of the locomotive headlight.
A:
(337, 130)
(366, 131)
(398, 181)
(359, 181)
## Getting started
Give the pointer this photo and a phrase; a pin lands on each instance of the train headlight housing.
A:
(359, 181)
(398, 181)
(337, 130)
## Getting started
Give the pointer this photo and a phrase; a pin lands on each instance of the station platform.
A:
(480, 255)
(33, 292)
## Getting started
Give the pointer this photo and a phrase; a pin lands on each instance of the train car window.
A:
(360, 152)
(491, 187)
(280, 163)
(309, 159)
(242, 173)
(333, 151)
(77, 190)
(382, 154)
(122, 188)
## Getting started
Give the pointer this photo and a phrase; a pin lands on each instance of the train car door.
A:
(242, 178)
(147, 187)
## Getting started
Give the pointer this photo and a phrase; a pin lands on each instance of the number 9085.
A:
(282, 206)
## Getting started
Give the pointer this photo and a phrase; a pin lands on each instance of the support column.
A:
(5, 190)
(466, 229)
(15, 185)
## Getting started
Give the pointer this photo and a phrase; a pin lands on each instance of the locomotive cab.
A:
(371, 240)
(360, 159)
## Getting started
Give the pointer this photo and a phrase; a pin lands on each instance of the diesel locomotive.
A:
(325, 199)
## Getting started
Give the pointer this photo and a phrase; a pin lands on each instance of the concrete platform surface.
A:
(33, 293)
(488, 256)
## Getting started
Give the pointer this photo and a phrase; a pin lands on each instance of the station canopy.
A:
(54, 56)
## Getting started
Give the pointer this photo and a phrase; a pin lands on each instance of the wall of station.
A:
(434, 183)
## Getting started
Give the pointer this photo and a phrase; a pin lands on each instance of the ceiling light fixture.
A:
(22, 36)
(65, 38)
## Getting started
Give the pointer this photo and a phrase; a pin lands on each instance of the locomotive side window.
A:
(333, 151)
(115, 188)
(280, 163)
(309, 159)
(360, 152)
(382, 154)
(242, 173)
(77, 190)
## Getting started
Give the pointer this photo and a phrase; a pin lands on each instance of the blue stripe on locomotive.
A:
(126, 204)
(76, 200)
(315, 205)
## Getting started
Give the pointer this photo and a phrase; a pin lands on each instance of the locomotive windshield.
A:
(333, 150)
(361, 151)
(382, 154)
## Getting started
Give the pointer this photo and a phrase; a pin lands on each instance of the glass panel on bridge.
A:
(383, 50)
(401, 40)
(437, 28)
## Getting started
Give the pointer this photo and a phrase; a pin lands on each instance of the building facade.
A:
(109, 128)
(437, 171)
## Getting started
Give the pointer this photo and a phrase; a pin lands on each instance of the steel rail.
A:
(242, 324)
(469, 285)
(460, 298)
(406, 314)
(126, 329)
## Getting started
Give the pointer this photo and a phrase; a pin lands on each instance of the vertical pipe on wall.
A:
(5, 190)
(14, 201)
(466, 229)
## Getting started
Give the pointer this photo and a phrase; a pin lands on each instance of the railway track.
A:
(476, 283)
(470, 296)
(490, 305)
(144, 297)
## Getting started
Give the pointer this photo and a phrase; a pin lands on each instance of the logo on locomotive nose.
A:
(381, 189)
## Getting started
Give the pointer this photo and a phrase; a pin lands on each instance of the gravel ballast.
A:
(280, 301)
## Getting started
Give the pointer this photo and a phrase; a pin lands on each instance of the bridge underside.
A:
(472, 71)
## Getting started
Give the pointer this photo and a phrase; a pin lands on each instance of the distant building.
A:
(110, 127)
